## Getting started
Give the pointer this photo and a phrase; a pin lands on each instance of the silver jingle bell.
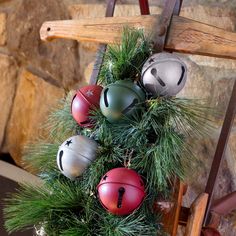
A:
(164, 74)
(75, 155)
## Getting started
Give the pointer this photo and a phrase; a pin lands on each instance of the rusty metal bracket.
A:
(171, 7)
(144, 7)
(177, 8)
(102, 47)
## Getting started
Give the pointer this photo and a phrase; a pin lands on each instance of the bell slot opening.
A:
(60, 159)
(72, 102)
(121, 193)
(105, 97)
(133, 104)
(154, 73)
(84, 122)
(182, 75)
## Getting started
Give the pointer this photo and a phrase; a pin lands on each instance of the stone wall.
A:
(34, 75)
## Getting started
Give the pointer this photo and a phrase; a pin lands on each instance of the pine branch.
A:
(85, 225)
(41, 156)
(132, 225)
(60, 122)
(33, 205)
(187, 116)
(67, 223)
(80, 229)
(125, 60)
(96, 170)
(57, 222)
(131, 134)
(163, 160)
(109, 156)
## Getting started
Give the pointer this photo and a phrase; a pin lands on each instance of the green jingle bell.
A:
(121, 99)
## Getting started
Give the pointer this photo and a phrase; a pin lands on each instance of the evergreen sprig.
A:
(189, 117)
(162, 161)
(125, 60)
(60, 121)
(41, 156)
(132, 225)
(33, 205)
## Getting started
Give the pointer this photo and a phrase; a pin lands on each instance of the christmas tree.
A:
(130, 138)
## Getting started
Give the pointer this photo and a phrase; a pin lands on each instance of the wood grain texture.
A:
(102, 30)
(185, 35)
(193, 37)
(197, 212)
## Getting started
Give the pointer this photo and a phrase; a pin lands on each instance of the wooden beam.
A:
(101, 30)
(185, 35)
(188, 36)
(19, 175)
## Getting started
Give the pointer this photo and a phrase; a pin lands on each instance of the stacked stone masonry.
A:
(34, 75)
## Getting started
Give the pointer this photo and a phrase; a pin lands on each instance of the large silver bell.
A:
(164, 74)
(75, 155)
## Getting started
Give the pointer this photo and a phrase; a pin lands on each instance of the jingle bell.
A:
(75, 155)
(164, 74)
(86, 99)
(121, 99)
(121, 191)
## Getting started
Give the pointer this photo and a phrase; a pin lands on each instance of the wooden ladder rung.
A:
(197, 213)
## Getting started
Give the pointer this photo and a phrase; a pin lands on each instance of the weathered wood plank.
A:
(102, 30)
(185, 35)
(197, 212)
(193, 37)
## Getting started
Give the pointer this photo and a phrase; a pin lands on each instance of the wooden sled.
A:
(173, 33)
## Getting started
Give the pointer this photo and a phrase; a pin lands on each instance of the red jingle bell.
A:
(86, 99)
(121, 191)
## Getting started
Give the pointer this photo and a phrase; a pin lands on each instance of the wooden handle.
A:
(185, 35)
(102, 30)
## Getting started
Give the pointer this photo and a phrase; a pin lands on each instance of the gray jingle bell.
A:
(75, 155)
(164, 74)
